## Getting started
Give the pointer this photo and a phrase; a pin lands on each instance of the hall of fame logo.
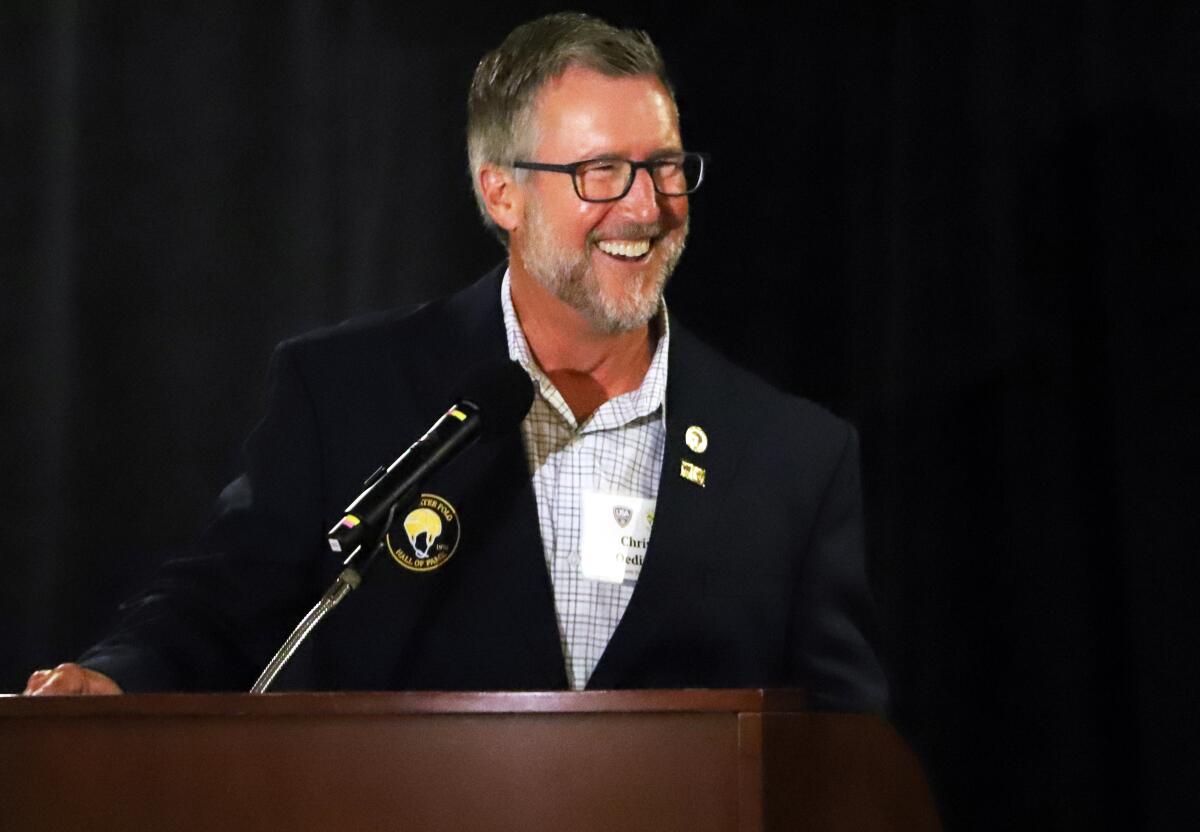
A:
(427, 537)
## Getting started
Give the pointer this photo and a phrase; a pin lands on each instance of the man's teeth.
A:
(624, 248)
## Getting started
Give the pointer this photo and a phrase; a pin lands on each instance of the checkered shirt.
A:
(619, 449)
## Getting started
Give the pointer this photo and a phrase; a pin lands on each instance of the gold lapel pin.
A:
(691, 472)
(696, 439)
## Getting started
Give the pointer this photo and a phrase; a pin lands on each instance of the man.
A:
(661, 518)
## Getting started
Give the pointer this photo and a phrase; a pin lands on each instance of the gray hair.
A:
(500, 102)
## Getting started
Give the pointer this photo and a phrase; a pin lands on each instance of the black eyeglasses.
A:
(609, 179)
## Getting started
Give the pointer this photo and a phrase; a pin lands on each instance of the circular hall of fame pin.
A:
(426, 537)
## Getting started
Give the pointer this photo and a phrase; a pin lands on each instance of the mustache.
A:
(629, 231)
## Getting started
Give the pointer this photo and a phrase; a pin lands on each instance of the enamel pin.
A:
(696, 439)
(691, 472)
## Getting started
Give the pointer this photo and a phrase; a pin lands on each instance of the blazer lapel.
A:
(686, 515)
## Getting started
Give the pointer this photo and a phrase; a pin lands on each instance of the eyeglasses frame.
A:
(648, 164)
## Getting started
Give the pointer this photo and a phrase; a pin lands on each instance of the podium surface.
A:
(613, 760)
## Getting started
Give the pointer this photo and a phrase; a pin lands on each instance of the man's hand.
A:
(70, 680)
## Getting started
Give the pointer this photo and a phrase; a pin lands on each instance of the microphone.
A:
(494, 398)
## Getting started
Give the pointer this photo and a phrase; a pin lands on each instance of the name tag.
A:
(614, 531)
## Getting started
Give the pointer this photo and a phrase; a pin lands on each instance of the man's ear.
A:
(501, 196)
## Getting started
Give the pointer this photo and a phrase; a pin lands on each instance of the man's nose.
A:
(641, 203)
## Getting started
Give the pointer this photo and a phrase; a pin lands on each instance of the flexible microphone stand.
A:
(349, 578)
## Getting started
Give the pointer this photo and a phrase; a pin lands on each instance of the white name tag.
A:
(615, 532)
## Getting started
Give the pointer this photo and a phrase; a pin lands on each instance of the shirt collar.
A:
(648, 398)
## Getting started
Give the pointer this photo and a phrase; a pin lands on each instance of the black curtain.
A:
(970, 227)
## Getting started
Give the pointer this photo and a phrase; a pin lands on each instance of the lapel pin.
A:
(696, 439)
(691, 472)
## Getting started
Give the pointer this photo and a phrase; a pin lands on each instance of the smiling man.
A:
(602, 239)
(660, 519)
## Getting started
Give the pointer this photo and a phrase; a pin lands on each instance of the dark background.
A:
(970, 227)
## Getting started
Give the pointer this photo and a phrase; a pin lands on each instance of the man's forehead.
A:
(580, 76)
(583, 104)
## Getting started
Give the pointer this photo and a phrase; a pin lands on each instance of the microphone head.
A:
(501, 390)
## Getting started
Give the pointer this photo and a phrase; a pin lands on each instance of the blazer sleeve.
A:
(213, 617)
(833, 622)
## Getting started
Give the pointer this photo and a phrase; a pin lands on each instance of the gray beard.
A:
(569, 276)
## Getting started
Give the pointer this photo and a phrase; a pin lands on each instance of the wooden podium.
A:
(608, 760)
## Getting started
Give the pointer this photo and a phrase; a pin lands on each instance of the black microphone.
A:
(494, 397)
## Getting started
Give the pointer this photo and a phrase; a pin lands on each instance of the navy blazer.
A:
(755, 579)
